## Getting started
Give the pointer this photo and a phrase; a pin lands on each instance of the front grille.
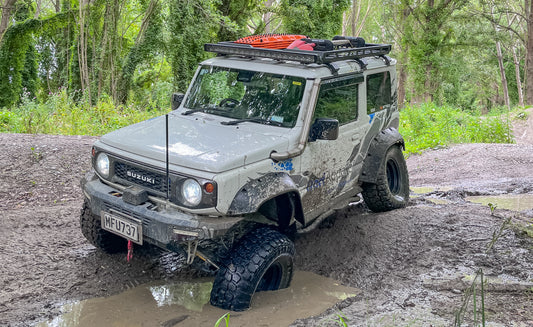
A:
(140, 176)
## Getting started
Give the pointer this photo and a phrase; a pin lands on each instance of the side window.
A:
(338, 99)
(378, 92)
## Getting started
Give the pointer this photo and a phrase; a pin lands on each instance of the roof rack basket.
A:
(302, 56)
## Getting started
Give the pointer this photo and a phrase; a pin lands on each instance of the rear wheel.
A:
(91, 228)
(391, 190)
(261, 261)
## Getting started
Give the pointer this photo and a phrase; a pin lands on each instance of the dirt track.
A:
(412, 265)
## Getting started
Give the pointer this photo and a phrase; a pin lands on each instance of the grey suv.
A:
(266, 143)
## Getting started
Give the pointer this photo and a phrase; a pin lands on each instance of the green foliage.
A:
(430, 126)
(16, 43)
(141, 51)
(62, 114)
(191, 24)
(144, 50)
(317, 19)
(236, 14)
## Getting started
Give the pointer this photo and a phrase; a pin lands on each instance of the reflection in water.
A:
(187, 304)
(515, 202)
(192, 296)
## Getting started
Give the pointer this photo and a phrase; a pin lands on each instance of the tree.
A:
(430, 33)
(317, 19)
(235, 15)
(354, 19)
(147, 44)
(18, 65)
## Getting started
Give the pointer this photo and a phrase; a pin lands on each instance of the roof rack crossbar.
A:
(302, 56)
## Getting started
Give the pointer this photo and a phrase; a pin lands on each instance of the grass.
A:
(224, 318)
(477, 309)
(427, 126)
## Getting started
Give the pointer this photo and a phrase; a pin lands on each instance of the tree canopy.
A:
(473, 54)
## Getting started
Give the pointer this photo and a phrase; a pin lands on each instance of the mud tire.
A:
(93, 232)
(391, 190)
(261, 261)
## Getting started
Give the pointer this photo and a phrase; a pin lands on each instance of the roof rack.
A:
(302, 56)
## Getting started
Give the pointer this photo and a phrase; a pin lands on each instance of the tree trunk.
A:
(428, 87)
(37, 9)
(82, 51)
(267, 16)
(355, 16)
(344, 22)
(529, 55)
(7, 7)
(402, 79)
(502, 75)
(518, 78)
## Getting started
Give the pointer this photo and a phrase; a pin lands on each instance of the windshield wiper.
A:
(253, 120)
(206, 110)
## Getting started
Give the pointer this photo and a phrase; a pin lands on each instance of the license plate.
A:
(122, 226)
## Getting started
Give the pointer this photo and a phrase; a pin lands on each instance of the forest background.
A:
(90, 66)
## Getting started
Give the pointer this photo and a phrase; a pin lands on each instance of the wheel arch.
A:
(377, 151)
(273, 195)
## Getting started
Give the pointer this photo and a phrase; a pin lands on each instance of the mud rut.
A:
(412, 265)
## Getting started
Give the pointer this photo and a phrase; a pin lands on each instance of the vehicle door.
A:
(328, 165)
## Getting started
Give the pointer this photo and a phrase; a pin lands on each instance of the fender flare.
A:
(376, 152)
(257, 192)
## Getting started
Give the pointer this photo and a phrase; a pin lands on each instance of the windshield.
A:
(246, 95)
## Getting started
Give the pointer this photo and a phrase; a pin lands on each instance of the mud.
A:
(515, 202)
(412, 266)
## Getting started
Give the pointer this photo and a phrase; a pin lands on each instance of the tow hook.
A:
(191, 251)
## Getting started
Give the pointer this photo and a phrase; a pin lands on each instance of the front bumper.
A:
(162, 225)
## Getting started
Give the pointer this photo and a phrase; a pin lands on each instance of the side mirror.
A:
(176, 100)
(324, 129)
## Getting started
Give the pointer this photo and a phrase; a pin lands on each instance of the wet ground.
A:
(410, 267)
(185, 303)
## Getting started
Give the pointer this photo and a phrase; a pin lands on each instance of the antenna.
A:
(166, 150)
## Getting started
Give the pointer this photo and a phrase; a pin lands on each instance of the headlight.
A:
(102, 165)
(191, 192)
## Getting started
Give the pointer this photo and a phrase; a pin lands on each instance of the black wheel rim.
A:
(393, 177)
(272, 278)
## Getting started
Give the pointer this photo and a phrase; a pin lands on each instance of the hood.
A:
(197, 143)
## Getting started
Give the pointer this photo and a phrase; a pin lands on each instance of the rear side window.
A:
(378, 92)
(338, 99)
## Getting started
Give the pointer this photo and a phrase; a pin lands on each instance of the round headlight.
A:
(191, 192)
(102, 165)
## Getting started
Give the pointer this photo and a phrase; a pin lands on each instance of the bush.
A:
(61, 114)
(429, 126)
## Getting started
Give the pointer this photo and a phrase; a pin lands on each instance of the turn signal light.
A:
(209, 187)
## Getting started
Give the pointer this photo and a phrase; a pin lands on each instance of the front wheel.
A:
(261, 261)
(391, 190)
(92, 230)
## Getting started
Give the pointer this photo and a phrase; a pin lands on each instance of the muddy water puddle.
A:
(187, 304)
(515, 202)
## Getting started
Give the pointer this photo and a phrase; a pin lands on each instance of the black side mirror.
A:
(324, 129)
(177, 99)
